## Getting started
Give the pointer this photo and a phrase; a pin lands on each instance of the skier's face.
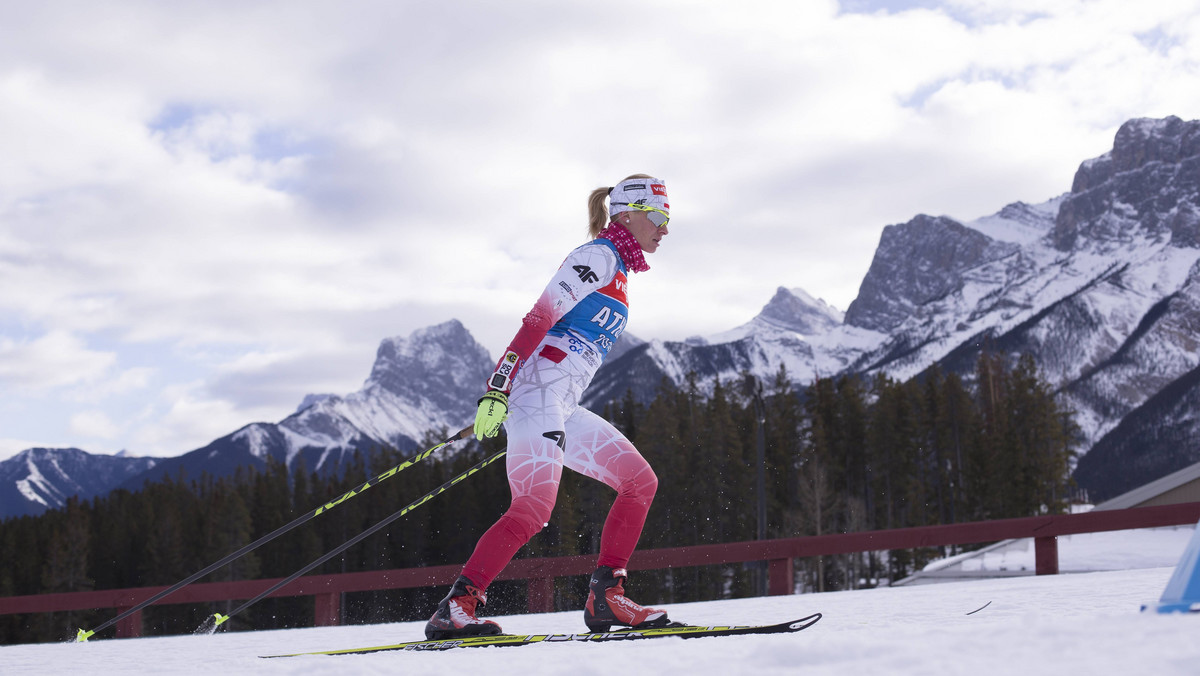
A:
(648, 235)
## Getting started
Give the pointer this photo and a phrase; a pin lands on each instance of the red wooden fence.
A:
(540, 572)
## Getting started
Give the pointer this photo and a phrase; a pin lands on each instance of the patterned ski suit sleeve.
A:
(587, 269)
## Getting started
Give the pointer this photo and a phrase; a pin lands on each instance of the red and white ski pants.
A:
(546, 430)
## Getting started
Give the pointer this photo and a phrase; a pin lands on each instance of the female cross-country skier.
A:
(535, 393)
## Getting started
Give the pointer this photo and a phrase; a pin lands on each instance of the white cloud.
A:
(112, 384)
(94, 425)
(292, 182)
(188, 421)
(55, 359)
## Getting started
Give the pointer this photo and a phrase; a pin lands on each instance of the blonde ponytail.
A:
(597, 211)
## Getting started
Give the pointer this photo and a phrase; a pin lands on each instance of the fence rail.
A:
(541, 572)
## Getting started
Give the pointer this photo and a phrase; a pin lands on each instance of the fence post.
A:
(328, 609)
(540, 594)
(1045, 555)
(130, 627)
(781, 579)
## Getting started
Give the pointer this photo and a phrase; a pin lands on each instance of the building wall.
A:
(1188, 492)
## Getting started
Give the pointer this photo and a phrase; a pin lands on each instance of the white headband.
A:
(649, 191)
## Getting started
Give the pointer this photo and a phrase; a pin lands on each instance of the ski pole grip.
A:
(465, 432)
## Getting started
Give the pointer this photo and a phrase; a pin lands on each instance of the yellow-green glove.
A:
(493, 409)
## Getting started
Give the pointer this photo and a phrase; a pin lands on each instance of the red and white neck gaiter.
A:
(627, 246)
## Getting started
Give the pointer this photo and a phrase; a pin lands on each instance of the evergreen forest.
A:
(841, 455)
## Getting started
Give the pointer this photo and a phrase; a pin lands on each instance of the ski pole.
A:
(84, 635)
(211, 624)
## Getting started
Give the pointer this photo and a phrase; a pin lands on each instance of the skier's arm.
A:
(585, 270)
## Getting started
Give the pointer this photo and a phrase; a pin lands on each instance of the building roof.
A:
(1181, 486)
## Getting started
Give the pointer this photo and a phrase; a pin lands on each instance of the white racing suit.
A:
(563, 341)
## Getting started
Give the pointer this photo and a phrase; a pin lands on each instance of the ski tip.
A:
(805, 622)
(980, 608)
(83, 636)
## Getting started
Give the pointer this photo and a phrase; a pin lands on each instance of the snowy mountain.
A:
(789, 311)
(793, 330)
(39, 479)
(427, 382)
(1101, 285)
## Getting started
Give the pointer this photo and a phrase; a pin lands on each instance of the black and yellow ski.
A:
(499, 640)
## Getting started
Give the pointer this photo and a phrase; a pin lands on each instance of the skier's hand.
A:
(493, 409)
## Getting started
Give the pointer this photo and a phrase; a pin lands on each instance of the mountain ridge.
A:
(38, 478)
(1101, 284)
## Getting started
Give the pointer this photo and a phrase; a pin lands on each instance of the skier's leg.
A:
(534, 471)
(534, 461)
(595, 448)
(535, 429)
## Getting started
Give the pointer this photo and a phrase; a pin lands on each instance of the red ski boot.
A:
(455, 616)
(607, 604)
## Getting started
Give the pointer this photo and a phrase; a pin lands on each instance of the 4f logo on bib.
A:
(586, 274)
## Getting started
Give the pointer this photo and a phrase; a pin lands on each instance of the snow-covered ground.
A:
(1084, 623)
(1081, 553)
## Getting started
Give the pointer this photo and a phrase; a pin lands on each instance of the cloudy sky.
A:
(209, 209)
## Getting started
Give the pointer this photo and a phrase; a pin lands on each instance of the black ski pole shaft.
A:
(216, 620)
(304, 518)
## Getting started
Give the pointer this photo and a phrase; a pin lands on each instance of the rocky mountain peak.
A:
(1149, 181)
(1142, 141)
(426, 358)
(916, 263)
(796, 310)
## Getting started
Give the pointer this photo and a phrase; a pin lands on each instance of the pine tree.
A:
(784, 413)
(66, 566)
(818, 497)
(991, 466)
(1043, 437)
(958, 422)
(893, 452)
